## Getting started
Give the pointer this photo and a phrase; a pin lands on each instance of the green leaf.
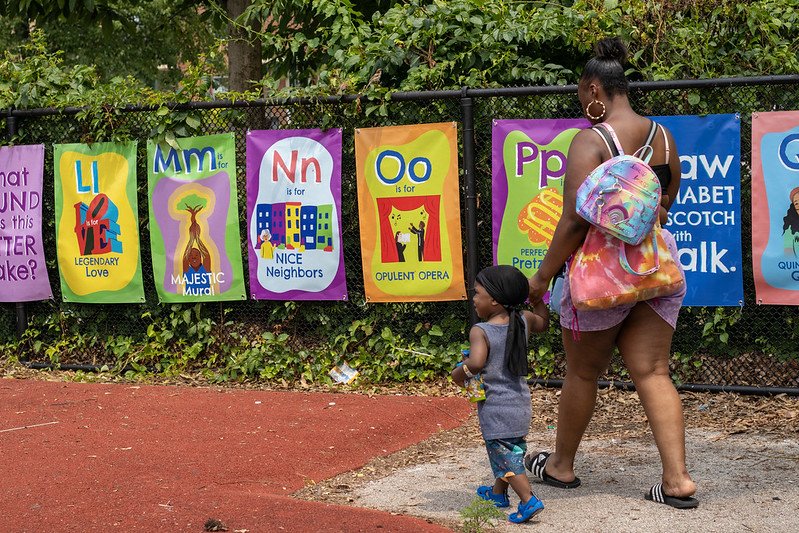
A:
(192, 122)
(171, 140)
(694, 99)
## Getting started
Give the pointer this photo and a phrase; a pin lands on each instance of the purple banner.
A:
(528, 165)
(23, 274)
(294, 215)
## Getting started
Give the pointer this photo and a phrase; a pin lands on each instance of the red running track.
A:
(121, 457)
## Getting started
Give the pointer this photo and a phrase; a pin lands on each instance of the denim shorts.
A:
(506, 456)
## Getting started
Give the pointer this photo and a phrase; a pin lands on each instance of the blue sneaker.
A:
(487, 493)
(526, 511)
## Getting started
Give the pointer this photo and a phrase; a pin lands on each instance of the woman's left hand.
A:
(537, 288)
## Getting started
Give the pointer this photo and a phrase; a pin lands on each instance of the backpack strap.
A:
(608, 135)
(610, 143)
(653, 129)
(646, 151)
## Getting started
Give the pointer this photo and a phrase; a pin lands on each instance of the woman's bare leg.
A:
(586, 360)
(645, 344)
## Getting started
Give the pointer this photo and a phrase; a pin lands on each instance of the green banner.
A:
(194, 220)
(97, 223)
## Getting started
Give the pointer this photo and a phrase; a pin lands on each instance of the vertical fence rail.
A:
(22, 315)
(469, 178)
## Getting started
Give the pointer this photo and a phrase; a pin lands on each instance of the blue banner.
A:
(706, 216)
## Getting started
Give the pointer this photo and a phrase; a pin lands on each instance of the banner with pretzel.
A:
(528, 165)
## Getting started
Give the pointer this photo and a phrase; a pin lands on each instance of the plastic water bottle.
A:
(475, 391)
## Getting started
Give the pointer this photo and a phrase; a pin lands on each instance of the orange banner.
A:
(410, 213)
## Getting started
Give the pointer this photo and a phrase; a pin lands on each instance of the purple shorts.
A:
(667, 307)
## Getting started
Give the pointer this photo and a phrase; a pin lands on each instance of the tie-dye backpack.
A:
(622, 195)
(621, 199)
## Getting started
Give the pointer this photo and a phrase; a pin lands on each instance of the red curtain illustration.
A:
(432, 236)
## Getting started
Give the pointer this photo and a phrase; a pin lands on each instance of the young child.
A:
(498, 349)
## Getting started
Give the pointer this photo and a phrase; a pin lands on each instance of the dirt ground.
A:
(743, 451)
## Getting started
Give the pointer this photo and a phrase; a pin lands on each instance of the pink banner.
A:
(775, 207)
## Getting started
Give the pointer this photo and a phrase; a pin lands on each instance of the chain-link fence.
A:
(750, 346)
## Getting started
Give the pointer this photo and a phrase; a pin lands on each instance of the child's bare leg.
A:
(500, 486)
(521, 486)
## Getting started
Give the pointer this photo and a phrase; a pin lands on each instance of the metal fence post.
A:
(467, 113)
(22, 316)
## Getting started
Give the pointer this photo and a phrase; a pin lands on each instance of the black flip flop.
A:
(657, 495)
(536, 464)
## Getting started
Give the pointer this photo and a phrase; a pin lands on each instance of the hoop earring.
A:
(588, 110)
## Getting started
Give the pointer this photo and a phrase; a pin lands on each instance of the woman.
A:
(643, 331)
(790, 226)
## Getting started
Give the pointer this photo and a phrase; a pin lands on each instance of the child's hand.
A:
(458, 376)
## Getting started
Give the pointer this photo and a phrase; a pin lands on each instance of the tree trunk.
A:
(244, 56)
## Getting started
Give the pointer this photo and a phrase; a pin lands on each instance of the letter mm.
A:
(160, 164)
(173, 160)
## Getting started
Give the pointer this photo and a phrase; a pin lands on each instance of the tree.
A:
(299, 40)
(139, 35)
(244, 52)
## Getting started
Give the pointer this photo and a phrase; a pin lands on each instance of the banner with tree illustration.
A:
(194, 230)
(294, 215)
(775, 207)
(528, 165)
(410, 213)
(97, 223)
(23, 272)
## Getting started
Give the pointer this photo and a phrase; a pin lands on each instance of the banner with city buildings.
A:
(294, 240)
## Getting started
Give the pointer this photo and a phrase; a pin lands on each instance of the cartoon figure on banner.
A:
(790, 225)
(96, 226)
(403, 223)
(196, 258)
(399, 237)
(265, 244)
(419, 232)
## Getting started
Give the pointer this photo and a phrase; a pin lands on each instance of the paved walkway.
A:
(102, 457)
